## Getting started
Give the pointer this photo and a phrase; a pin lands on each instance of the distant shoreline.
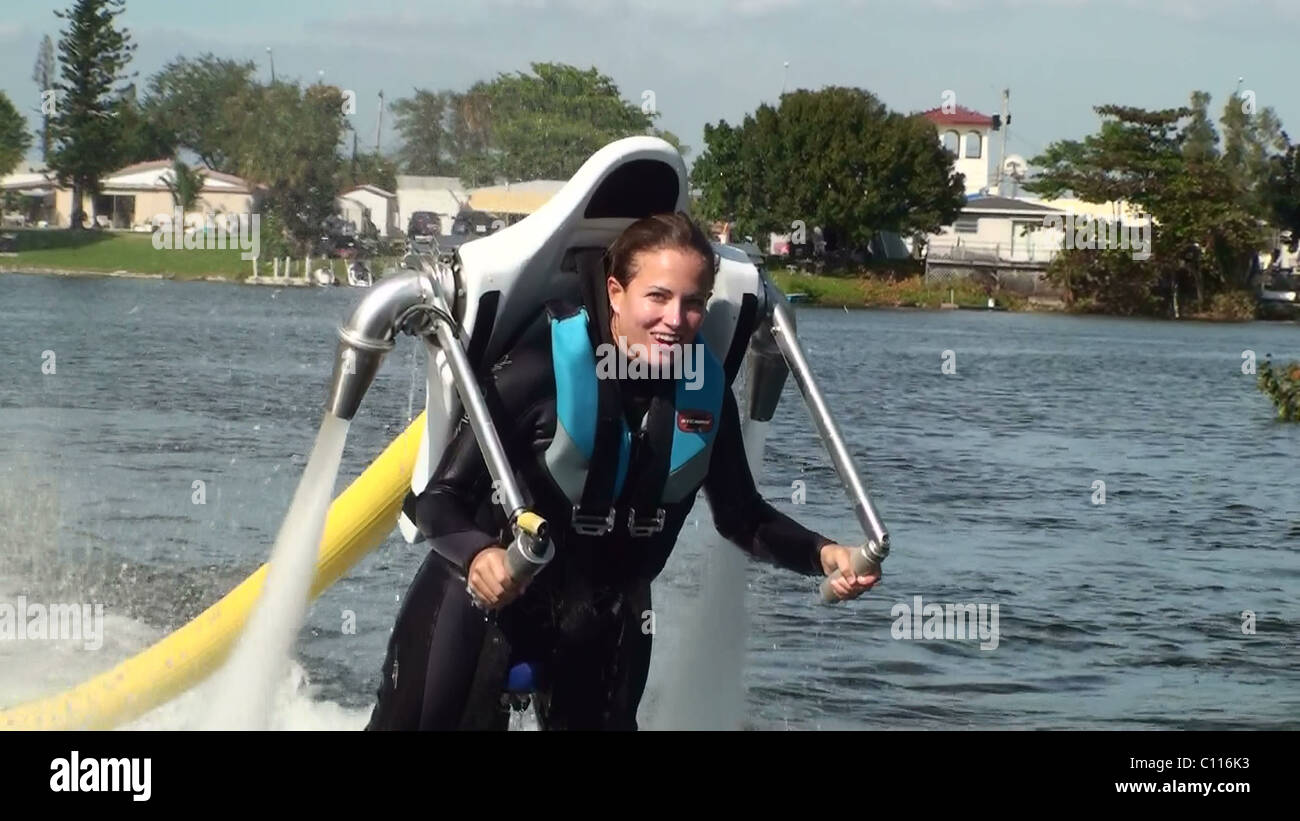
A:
(120, 274)
(66, 272)
(818, 292)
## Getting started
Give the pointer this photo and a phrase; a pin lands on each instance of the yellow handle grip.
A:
(532, 524)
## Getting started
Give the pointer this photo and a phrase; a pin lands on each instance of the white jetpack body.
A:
(503, 280)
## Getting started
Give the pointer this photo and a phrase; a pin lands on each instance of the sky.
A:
(711, 60)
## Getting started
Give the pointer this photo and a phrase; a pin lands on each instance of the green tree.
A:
(835, 158)
(139, 138)
(426, 122)
(1206, 233)
(369, 169)
(14, 139)
(1250, 140)
(43, 76)
(94, 53)
(1284, 190)
(1106, 282)
(1281, 383)
(1132, 157)
(542, 124)
(1167, 163)
(1201, 141)
(287, 138)
(546, 124)
(724, 187)
(186, 185)
(470, 130)
(188, 100)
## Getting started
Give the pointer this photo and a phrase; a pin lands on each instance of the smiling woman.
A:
(660, 274)
(615, 466)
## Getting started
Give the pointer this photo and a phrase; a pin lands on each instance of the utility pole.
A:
(380, 125)
(272, 59)
(1006, 119)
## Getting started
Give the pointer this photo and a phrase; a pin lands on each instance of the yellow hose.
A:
(360, 519)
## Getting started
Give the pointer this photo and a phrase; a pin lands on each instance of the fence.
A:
(289, 271)
(994, 265)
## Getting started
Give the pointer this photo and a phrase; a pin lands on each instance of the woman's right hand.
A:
(490, 581)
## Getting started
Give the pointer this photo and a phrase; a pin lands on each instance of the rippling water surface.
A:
(1127, 613)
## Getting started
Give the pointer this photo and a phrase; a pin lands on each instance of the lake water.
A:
(1118, 488)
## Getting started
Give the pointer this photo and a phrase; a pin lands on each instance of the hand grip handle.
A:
(521, 562)
(864, 564)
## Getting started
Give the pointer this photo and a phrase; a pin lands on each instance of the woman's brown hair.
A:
(653, 233)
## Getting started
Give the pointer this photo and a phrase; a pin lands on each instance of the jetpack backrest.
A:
(506, 277)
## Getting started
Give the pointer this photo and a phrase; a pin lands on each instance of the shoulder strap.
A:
(558, 309)
(593, 514)
(645, 516)
(604, 479)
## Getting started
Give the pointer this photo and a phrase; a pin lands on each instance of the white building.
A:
(137, 196)
(443, 196)
(34, 189)
(993, 228)
(373, 203)
(965, 133)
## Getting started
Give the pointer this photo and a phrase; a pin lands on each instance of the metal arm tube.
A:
(522, 557)
(485, 432)
(416, 303)
(868, 558)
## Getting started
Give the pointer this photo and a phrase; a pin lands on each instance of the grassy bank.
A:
(110, 252)
(868, 291)
(134, 254)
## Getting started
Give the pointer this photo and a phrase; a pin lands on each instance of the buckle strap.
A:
(648, 477)
(587, 524)
(647, 526)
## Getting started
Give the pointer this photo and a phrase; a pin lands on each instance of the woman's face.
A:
(662, 307)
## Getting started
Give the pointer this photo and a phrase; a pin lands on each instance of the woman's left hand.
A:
(848, 585)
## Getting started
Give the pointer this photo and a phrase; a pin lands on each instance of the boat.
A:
(359, 275)
(1278, 295)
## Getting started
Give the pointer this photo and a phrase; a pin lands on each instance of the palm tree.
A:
(186, 185)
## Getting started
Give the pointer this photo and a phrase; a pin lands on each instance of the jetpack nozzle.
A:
(399, 303)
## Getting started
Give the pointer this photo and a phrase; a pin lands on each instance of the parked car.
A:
(423, 224)
(466, 227)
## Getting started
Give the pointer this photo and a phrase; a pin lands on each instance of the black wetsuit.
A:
(584, 617)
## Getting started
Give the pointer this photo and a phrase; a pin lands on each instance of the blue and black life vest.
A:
(588, 458)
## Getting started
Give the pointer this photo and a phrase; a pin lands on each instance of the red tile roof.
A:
(960, 116)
